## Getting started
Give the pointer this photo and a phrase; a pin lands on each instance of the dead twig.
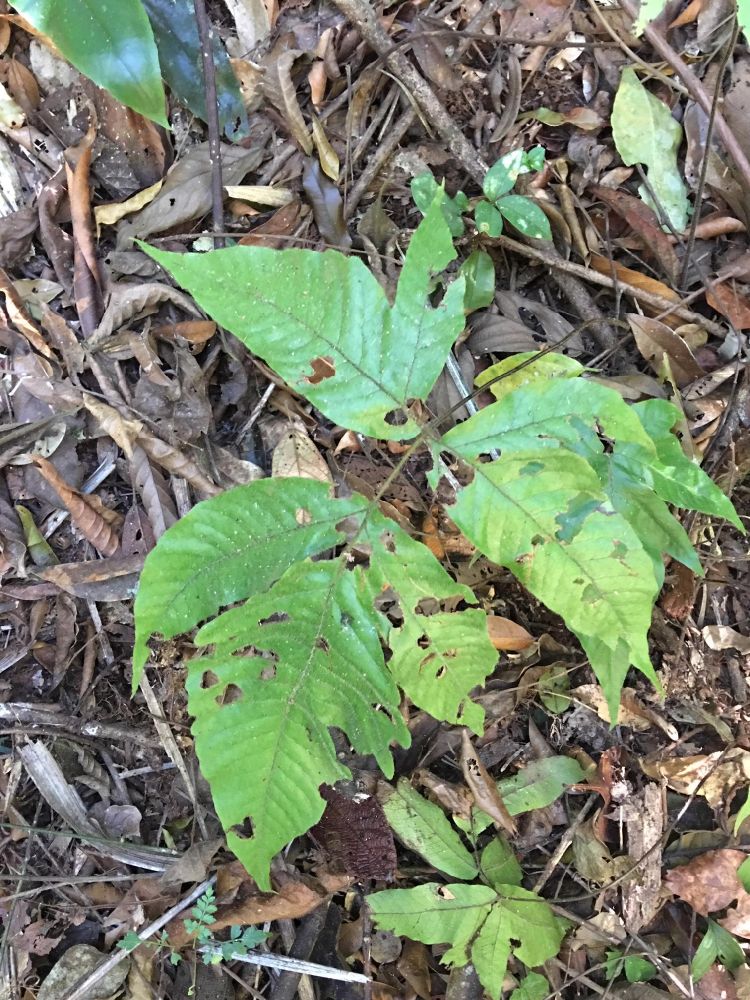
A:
(362, 16)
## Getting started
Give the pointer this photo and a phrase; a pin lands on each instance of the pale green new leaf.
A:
(110, 42)
(533, 987)
(230, 547)
(322, 321)
(425, 829)
(645, 132)
(286, 666)
(544, 516)
(482, 925)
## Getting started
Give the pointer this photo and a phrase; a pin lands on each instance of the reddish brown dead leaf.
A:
(327, 205)
(96, 522)
(708, 882)
(431, 536)
(87, 280)
(734, 305)
(20, 319)
(275, 232)
(293, 898)
(643, 221)
(627, 276)
(506, 635)
(688, 15)
(483, 788)
(678, 596)
(195, 331)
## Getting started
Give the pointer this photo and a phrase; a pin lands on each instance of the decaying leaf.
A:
(715, 776)
(296, 455)
(483, 788)
(507, 635)
(708, 882)
(96, 522)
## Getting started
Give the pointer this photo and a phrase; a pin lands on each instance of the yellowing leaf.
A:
(645, 132)
(108, 215)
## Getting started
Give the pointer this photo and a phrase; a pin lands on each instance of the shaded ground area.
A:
(123, 406)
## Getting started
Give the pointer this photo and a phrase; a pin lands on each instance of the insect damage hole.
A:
(323, 368)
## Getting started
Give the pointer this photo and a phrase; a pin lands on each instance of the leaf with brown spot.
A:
(708, 882)
(96, 522)
(483, 788)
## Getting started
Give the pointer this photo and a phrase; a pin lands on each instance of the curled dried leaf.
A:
(483, 788)
(95, 521)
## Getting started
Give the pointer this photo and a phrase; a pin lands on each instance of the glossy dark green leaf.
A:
(110, 41)
(179, 47)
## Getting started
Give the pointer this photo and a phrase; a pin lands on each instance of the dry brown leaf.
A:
(725, 637)
(655, 340)
(96, 522)
(20, 318)
(122, 431)
(715, 776)
(483, 788)
(278, 89)
(327, 155)
(87, 278)
(296, 455)
(327, 206)
(127, 301)
(113, 579)
(157, 500)
(177, 462)
(275, 232)
(506, 635)
(731, 303)
(272, 197)
(643, 221)
(110, 214)
(708, 882)
(456, 799)
(292, 899)
(627, 276)
(186, 192)
(195, 331)
(632, 713)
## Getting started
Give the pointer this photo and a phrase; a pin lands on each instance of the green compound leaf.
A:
(287, 665)
(230, 547)
(336, 340)
(174, 26)
(525, 215)
(576, 507)
(645, 132)
(483, 925)
(553, 527)
(305, 651)
(425, 829)
(110, 42)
